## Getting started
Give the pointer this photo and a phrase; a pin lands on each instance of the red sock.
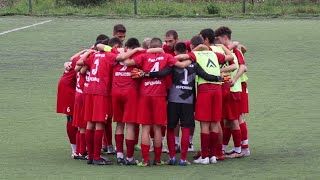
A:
(244, 135)
(236, 136)
(109, 132)
(119, 138)
(136, 133)
(89, 141)
(214, 140)
(130, 147)
(163, 131)
(219, 151)
(204, 145)
(104, 139)
(72, 133)
(226, 135)
(184, 143)
(78, 143)
(171, 143)
(145, 152)
(157, 153)
(151, 133)
(82, 143)
(98, 134)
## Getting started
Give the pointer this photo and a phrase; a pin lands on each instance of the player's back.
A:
(100, 73)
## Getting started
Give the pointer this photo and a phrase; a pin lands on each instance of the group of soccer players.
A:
(164, 87)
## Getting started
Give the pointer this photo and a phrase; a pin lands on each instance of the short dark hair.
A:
(221, 31)
(155, 43)
(208, 33)
(105, 42)
(172, 33)
(119, 28)
(180, 47)
(132, 43)
(114, 41)
(196, 40)
(102, 37)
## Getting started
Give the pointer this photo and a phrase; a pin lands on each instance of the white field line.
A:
(24, 27)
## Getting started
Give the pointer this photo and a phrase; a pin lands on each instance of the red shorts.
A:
(65, 99)
(96, 108)
(78, 113)
(124, 105)
(233, 109)
(244, 103)
(152, 110)
(209, 106)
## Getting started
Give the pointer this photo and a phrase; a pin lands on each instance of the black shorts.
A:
(180, 112)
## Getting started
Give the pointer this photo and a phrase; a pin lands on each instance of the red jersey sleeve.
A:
(188, 46)
(115, 51)
(74, 61)
(192, 56)
(139, 60)
(171, 60)
(221, 58)
(88, 60)
(231, 62)
(239, 56)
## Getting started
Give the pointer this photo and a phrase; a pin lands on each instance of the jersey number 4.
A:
(155, 67)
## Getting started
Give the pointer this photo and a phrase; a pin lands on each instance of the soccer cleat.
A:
(171, 161)
(245, 152)
(202, 161)
(213, 160)
(234, 154)
(74, 155)
(158, 163)
(111, 150)
(89, 161)
(81, 157)
(177, 147)
(229, 152)
(143, 164)
(101, 161)
(137, 147)
(196, 156)
(121, 161)
(220, 157)
(184, 163)
(191, 148)
(129, 163)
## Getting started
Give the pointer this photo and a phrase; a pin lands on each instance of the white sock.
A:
(191, 139)
(120, 155)
(73, 148)
(162, 140)
(130, 159)
(224, 147)
(237, 149)
(176, 139)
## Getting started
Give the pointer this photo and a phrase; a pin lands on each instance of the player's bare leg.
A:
(205, 136)
(244, 136)
(119, 138)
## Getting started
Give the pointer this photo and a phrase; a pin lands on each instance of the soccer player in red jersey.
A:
(65, 99)
(120, 31)
(152, 100)
(239, 129)
(209, 98)
(97, 102)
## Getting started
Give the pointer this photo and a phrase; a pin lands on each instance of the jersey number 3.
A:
(95, 70)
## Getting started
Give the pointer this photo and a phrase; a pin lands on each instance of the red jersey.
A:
(69, 77)
(100, 73)
(239, 55)
(122, 75)
(81, 79)
(152, 63)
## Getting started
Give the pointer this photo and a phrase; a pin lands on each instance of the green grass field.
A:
(283, 86)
